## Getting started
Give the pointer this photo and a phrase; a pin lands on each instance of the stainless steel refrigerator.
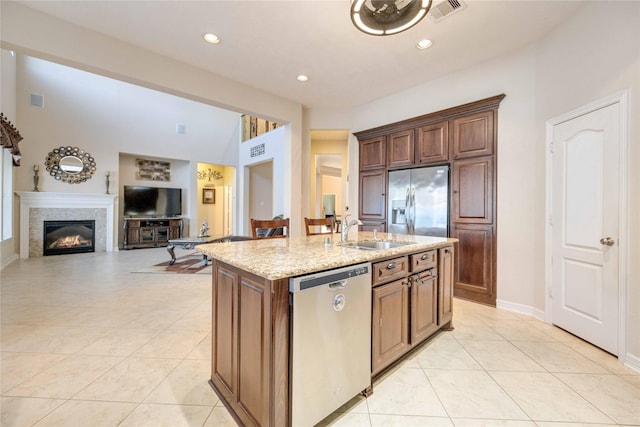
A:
(419, 201)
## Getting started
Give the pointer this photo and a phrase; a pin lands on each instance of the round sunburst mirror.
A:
(70, 164)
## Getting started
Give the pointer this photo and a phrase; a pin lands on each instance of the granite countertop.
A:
(281, 258)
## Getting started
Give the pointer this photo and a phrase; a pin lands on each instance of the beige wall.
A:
(219, 216)
(327, 146)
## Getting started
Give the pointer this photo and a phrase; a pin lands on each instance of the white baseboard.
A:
(632, 362)
(520, 308)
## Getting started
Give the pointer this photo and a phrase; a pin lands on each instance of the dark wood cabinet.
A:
(400, 149)
(150, 232)
(390, 326)
(472, 187)
(373, 153)
(373, 206)
(249, 346)
(474, 267)
(473, 135)
(410, 302)
(464, 136)
(224, 368)
(432, 144)
(446, 284)
(424, 305)
(373, 225)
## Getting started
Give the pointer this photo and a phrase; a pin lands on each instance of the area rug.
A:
(187, 264)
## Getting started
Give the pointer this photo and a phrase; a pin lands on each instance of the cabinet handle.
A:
(391, 266)
(423, 257)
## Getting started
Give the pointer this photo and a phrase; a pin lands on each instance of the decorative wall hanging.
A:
(9, 138)
(209, 174)
(153, 170)
(70, 164)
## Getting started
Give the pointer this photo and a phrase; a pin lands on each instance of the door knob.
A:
(607, 241)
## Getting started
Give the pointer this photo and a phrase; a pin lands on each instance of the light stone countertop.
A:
(289, 257)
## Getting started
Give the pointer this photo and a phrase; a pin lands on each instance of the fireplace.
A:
(69, 237)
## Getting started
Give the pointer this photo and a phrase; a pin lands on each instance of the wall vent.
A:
(258, 150)
(446, 8)
(36, 100)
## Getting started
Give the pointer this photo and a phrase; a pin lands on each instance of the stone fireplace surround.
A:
(36, 207)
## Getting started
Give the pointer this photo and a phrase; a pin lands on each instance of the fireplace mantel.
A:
(34, 200)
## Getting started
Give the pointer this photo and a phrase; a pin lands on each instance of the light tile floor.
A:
(86, 342)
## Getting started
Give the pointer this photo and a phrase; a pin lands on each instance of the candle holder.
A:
(36, 178)
(107, 181)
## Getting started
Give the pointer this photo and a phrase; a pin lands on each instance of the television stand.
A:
(150, 232)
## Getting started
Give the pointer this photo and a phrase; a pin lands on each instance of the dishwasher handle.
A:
(338, 285)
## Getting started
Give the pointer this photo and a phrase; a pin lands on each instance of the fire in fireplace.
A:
(69, 237)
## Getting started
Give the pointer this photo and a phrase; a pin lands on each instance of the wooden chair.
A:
(311, 223)
(273, 228)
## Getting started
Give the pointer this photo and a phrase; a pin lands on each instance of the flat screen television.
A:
(152, 201)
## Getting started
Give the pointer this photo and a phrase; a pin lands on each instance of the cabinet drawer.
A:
(423, 260)
(392, 269)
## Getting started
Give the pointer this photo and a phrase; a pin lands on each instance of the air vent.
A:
(36, 100)
(446, 8)
(258, 150)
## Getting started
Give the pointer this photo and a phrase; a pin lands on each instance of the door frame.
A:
(621, 98)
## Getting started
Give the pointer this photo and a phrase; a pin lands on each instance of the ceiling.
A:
(266, 44)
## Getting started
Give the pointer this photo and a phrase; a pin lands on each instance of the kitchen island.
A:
(251, 313)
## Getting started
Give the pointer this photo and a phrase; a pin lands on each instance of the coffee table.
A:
(192, 242)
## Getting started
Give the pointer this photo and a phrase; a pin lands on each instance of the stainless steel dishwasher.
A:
(330, 341)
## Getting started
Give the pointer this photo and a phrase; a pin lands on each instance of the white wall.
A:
(36, 34)
(275, 145)
(107, 118)
(8, 247)
(592, 55)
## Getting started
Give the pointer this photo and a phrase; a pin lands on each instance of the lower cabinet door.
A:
(474, 274)
(445, 286)
(223, 363)
(424, 305)
(390, 323)
(254, 340)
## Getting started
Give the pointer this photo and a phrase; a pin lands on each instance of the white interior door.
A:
(585, 226)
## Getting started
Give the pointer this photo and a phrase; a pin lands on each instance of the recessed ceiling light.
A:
(211, 38)
(302, 78)
(424, 44)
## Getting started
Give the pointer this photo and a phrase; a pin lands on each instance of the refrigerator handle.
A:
(413, 210)
(407, 211)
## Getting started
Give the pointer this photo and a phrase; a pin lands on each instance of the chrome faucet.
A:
(346, 225)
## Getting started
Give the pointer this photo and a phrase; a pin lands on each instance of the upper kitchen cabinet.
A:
(472, 189)
(473, 136)
(432, 144)
(373, 188)
(373, 153)
(400, 149)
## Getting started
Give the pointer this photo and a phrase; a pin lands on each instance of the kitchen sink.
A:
(374, 245)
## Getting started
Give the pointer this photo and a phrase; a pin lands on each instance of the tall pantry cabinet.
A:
(465, 138)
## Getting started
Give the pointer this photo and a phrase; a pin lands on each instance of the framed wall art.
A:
(209, 196)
